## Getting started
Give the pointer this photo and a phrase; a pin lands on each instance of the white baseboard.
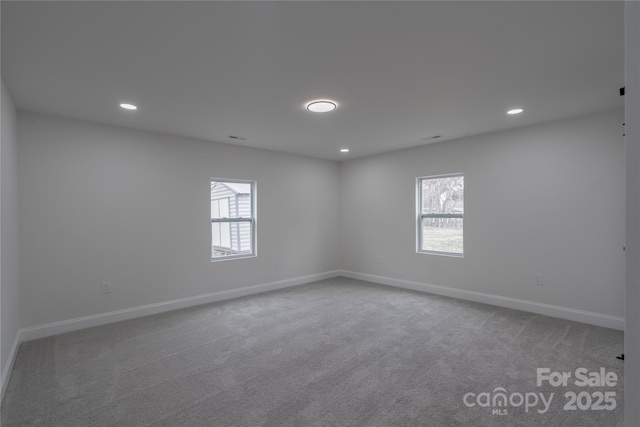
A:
(56, 328)
(591, 318)
(8, 367)
(41, 331)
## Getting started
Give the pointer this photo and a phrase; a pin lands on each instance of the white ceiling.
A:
(400, 71)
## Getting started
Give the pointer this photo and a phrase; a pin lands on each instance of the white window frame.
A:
(421, 216)
(251, 220)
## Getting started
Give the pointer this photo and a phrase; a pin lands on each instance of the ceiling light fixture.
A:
(515, 111)
(321, 106)
(344, 150)
(128, 106)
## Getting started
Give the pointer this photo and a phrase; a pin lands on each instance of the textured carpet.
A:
(334, 353)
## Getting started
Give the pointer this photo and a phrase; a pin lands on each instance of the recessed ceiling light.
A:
(128, 106)
(321, 106)
(515, 111)
(344, 150)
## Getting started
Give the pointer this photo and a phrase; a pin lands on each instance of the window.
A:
(233, 223)
(441, 214)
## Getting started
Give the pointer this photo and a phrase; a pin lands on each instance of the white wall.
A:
(632, 297)
(547, 199)
(9, 272)
(100, 203)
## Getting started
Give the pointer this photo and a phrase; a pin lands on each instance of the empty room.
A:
(320, 213)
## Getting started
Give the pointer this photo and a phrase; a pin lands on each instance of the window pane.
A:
(231, 238)
(231, 199)
(443, 195)
(442, 235)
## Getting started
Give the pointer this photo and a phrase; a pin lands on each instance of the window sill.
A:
(447, 254)
(232, 257)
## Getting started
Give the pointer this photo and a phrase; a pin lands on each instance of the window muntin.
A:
(233, 228)
(441, 214)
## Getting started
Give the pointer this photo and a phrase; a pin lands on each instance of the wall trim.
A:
(604, 320)
(69, 325)
(8, 367)
(55, 328)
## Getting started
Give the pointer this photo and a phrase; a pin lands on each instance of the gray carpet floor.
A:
(339, 352)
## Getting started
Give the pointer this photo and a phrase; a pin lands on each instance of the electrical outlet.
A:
(276, 264)
(380, 260)
(539, 279)
(106, 287)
